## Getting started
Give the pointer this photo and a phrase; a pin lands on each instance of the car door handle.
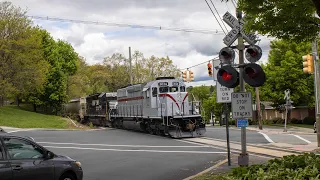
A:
(17, 168)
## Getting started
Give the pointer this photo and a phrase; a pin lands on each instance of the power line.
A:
(215, 59)
(215, 17)
(203, 31)
(218, 15)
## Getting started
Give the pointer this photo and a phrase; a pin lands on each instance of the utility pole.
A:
(130, 65)
(258, 108)
(316, 85)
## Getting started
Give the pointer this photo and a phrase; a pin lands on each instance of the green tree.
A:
(284, 71)
(22, 68)
(285, 19)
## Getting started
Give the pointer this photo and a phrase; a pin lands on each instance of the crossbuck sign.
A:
(236, 27)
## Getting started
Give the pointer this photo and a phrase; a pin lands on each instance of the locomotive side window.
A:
(163, 89)
(154, 92)
(174, 89)
(182, 89)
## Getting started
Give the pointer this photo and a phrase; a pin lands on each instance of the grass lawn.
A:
(14, 116)
(292, 125)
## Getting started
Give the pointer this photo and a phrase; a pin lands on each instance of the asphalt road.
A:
(235, 135)
(121, 154)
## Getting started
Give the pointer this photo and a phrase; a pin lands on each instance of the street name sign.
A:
(236, 27)
(241, 123)
(241, 103)
(223, 93)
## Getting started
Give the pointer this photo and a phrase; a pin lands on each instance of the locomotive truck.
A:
(157, 107)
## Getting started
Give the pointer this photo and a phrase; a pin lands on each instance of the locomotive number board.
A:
(163, 83)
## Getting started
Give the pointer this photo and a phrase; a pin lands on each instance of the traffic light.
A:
(191, 77)
(253, 53)
(209, 69)
(254, 75)
(228, 76)
(226, 55)
(184, 76)
(308, 64)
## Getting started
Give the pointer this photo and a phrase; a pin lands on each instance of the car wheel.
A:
(67, 176)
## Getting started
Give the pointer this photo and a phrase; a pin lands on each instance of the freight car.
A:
(158, 107)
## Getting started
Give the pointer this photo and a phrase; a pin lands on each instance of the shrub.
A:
(277, 120)
(309, 120)
(266, 122)
(232, 122)
(296, 121)
(304, 166)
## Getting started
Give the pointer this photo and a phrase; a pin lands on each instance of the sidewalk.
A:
(279, 130)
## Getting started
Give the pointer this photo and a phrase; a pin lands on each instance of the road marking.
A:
(136, 150)
(267, 137)
(303, 139)
(20, 130)
(115, 145)
(199, 144)
(207, 170)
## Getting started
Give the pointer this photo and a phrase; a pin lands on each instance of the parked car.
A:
(21, 158)
(315, 127)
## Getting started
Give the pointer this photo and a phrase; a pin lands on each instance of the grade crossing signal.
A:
(308, 66)
(226, 55)
(254, 75)
(228, 76)
(209, 69)
(253, 53)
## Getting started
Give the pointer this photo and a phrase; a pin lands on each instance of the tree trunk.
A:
(17, 101)
(317, 5)
(34, 107)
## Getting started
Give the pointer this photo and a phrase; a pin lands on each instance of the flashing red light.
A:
(226, 76)
(252, 52)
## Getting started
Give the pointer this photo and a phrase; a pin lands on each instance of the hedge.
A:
(304, 166)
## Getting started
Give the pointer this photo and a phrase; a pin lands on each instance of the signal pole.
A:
(130, 65)
(316, 85)
(243, 158)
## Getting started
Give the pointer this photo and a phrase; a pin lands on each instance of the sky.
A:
(94, 41)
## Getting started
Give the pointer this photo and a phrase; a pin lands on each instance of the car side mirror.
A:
(49, 155)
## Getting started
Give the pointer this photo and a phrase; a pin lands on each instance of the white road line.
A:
(20, 130)
(199, 144)
(115, 145)
(267, 137)
(137, 150)
(303, 139)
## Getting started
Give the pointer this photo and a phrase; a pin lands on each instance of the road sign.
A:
(241, 103)
(287, 94)
(223, 93)
(231, 37)
(242, 123)
(239, 26)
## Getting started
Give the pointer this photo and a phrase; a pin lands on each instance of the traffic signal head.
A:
(191, 77)
(209, 69)
(253, 53)
(308, 64)
(184, 76)
(254, 75)
(228, 76)
(226, 55)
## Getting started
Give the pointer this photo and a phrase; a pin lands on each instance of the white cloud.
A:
(95, 41)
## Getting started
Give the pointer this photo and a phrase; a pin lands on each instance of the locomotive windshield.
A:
(174, 89)
(163, 89)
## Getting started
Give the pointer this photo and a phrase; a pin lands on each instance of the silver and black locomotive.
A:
(157, 107)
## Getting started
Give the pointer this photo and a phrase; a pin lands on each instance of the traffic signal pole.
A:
(316, 85)
(243, 159)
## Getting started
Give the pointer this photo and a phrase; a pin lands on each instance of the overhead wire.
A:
(219, 16)
(190, 30)
(215, 17)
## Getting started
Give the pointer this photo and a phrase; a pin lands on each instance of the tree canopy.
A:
(286, 19)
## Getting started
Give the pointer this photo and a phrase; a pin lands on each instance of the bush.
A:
(266, 122)
(277, 120)
(305, 166)
(252, 122)
(309, 120)
(232, 122)
(296, 121)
